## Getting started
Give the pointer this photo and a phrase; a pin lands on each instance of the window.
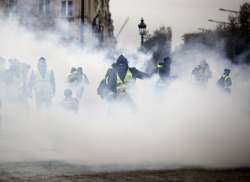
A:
(44, 7)
(67, 8)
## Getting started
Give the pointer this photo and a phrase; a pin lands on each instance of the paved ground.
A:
(64, 172)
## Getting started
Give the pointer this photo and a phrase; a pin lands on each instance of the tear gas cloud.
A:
(181, 125)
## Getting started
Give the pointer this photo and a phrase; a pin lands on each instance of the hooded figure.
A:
(120, 77)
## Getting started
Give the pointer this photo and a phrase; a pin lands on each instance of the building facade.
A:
(79, 12)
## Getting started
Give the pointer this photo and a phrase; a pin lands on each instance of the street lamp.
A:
(142, 30)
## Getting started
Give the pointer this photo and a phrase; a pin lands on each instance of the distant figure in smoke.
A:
(24, 70)
(70, 103)
(96, 23)
(97, 27)
(119, 78)
(225, 81)
(17, 81)
(202, 73)
(163, 69)
(110, 26)
(77, 81)
(43, 83)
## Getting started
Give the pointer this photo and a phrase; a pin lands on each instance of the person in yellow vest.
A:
(225, 82)
(42, 82)
(163, 68)
(119, 78)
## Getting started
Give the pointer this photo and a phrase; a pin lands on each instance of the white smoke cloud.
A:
(181, 125)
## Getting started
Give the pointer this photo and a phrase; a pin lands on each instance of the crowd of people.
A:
(202, 73)
(120, 77)
(20, 82)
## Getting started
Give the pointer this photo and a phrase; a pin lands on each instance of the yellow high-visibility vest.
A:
(159, 66)
(122, 85)
(43, 84)
(226, 77)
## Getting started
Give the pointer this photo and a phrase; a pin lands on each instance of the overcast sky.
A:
(182, 15)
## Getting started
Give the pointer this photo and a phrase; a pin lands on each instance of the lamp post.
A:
(82, 23)
(142, 30)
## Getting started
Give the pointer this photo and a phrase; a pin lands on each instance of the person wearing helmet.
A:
(70, 103)
(120, 77)
(202, 73)
(43, 83)
(225, 82)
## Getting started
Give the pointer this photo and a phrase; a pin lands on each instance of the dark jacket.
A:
(163, 68)
(112, 77)
(109, 83)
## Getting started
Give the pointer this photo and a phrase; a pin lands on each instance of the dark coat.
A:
(112, 78)
(164, 68)
(109, 83)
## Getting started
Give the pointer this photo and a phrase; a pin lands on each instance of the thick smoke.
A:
(180, 125)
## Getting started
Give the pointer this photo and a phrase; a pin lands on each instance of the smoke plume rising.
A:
(180, 125)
